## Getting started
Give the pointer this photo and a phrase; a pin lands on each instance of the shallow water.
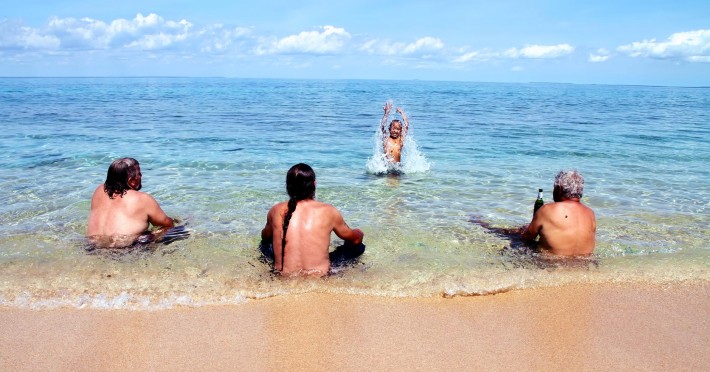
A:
(214, 153)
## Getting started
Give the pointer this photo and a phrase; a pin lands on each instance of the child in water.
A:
(394, 141)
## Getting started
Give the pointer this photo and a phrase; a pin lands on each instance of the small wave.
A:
(462, 292)
(121, 301)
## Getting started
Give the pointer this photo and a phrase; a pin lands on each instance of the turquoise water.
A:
(214, 153)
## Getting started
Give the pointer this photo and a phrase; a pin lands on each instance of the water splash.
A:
(413, 160)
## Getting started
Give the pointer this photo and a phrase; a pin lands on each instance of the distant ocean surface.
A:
(214, 153)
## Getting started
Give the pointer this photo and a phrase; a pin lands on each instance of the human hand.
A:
(359, 234)
(387, 107)
(400, 111)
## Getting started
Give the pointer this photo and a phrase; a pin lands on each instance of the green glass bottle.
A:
(538, 201)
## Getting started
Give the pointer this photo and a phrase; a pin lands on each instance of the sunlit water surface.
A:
(214, 153)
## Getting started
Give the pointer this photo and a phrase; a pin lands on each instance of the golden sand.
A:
(599, 327)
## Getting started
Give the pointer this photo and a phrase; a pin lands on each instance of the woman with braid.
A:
(303, 225)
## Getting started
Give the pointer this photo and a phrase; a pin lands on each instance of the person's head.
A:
(569, 184)
(301, 182)
(123, 174)
(395, 129)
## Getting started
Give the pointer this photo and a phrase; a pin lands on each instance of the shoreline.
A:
(579, 327)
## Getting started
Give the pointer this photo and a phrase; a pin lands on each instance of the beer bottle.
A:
(538, 201)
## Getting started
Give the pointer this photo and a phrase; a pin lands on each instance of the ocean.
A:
(214, 152)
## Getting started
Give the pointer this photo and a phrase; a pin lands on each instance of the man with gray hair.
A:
(566, 227)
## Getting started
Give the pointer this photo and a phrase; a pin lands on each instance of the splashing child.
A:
(394, 141)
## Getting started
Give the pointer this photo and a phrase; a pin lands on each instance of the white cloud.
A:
(151, 32)
(483, 55)
(422, 47)
(143, 32)
(466, 57)
(15, 36)
(540, 51)
(595, 58)
(529, 51)
(692, 46)
(327, 40)
(698, 59)
(216, 38)
(602, 55)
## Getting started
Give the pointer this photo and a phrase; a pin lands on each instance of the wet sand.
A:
(593, 327)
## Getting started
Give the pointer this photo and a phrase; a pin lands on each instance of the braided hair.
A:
(300, 185)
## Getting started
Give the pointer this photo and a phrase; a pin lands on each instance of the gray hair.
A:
(570, 182)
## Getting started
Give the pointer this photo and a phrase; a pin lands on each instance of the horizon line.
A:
(364, 79)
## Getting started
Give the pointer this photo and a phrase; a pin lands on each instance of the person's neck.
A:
(570, 199)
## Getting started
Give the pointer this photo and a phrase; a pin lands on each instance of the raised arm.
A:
(405, 128)
(387, 107)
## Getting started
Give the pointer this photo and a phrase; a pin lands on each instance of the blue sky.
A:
(599, 42)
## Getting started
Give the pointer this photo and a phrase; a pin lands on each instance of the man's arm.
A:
(405, 128)
(267, 232)
(343, 231)
(156, 216)
(533, 229)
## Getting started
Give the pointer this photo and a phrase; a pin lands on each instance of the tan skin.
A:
(123, 218)
(566, 227)
(308, 236)
(393, 143)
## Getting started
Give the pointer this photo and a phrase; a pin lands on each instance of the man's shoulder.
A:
(99, 190)
(330, 210)
(321, 207)
(554, 209)
(588, 210)
(547, 209)
(324, 205)
(586, 207)
(549, 213)
(278, 207)
(133, 196)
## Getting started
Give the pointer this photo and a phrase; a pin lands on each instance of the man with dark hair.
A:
(119, 211)
(300, 228)
(566, 227)
(393, 142)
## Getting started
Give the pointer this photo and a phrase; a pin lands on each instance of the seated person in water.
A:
(120, 213)
(566, 227)
(394, 141)
(300, 227)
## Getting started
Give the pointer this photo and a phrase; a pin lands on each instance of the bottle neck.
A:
(539, 194)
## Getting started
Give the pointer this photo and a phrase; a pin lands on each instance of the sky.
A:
(584, 42)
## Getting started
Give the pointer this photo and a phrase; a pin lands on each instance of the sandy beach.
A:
(594, 327)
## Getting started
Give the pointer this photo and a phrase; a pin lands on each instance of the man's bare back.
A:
(310, 223)
(566, 228)
(129, 214)
(116, 220)
(308, 236)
